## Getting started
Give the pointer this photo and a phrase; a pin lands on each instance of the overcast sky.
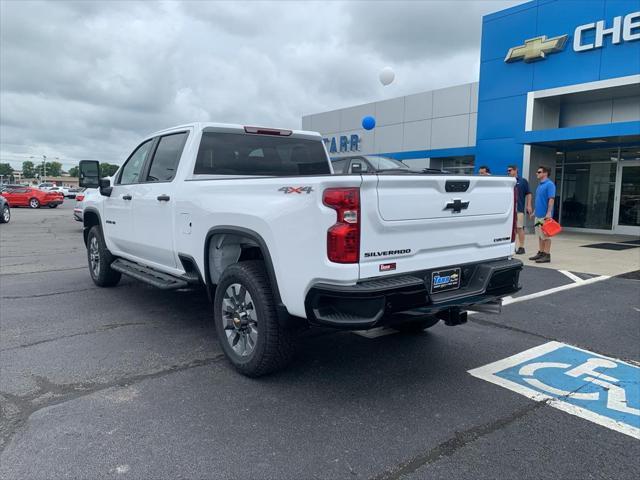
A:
(85, 79)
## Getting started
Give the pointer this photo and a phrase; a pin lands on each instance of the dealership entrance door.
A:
(627, 213)
(599, 189)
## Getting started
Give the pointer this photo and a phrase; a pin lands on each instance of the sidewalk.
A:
(568, 253)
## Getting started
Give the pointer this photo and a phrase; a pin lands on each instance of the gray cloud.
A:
(409, 31)
(81, 79)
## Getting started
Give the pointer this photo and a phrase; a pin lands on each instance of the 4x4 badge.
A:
(286, 190)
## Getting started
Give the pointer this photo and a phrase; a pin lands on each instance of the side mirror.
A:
(89, 174)
(105, 187)
(356, 168)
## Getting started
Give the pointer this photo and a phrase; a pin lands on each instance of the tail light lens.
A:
(79, 198)
(343, 238)
(515, 215)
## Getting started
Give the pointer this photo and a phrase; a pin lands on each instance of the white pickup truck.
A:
(257, 216)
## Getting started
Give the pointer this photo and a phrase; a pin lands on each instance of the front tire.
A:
(100, 259)
(247, 323)
(6, 214)
(34, 203)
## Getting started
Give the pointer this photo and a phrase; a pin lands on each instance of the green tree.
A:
(53, 169)
(73, 171)
(5, 169)
(107, 169)
(28, 170)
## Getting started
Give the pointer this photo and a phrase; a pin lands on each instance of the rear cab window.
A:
(339, 165)
(269, 155)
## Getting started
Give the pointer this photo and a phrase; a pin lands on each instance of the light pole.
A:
(44, 167)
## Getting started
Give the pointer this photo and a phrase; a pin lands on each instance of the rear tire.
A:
(247, 323)
(100, 258)
(34, 203)
(51, 205)
(416, 326)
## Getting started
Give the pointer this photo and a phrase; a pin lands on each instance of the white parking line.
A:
(544, 293)
(573, 277)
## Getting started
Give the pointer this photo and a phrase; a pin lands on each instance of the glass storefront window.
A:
(593, 155)
(462, 165)
(630, 197)
(588, 188)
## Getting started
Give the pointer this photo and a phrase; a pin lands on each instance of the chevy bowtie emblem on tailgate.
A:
(457, 205)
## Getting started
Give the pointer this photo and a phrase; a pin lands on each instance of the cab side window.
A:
(132, 170)
(166, 158)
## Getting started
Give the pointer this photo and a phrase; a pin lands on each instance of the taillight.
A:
(515, 215)
(79, 198)
(343, 238)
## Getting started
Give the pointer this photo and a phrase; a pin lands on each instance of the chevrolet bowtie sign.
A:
(536, 48)
(620, 29)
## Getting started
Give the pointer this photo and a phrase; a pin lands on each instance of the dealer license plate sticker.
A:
(444, 280)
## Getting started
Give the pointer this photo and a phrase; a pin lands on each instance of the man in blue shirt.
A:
(545, 198)
(523, 200)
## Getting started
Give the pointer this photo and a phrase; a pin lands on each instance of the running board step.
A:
(148, 275)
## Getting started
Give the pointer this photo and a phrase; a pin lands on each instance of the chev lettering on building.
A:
(625, 29)
(621, 29)
(346, 144)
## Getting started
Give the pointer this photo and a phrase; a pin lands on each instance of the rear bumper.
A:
(376, 302)
(77, 214)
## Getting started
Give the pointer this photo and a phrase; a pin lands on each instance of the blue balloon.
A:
(368, 123)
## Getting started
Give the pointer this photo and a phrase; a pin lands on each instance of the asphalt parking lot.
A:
(129, 382)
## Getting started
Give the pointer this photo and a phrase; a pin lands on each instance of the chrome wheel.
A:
(240, 320)
(34, 203)
(6, 214)
(94, 256)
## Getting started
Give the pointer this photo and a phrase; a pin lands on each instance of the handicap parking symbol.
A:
(603, 390)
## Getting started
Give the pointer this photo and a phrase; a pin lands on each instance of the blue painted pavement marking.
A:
(601, 389)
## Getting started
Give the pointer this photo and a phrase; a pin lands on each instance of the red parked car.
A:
(31, 197)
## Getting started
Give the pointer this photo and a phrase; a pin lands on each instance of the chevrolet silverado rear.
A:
(427, 246)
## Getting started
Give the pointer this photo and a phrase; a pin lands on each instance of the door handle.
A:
(163, 198)
(126, 197)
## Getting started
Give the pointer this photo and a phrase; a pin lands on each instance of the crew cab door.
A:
(154, 200)
(118, 216)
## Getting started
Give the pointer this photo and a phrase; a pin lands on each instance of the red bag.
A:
(551, 228)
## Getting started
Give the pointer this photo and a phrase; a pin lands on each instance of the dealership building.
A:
(559, 86)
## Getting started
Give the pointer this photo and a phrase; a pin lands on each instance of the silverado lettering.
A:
(387, 253)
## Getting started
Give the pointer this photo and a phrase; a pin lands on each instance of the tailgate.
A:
(420, 197)
(420, 222)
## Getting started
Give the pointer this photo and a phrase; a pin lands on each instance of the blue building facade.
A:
(559, 86)
(504, 86)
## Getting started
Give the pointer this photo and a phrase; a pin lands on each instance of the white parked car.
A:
(46, 186)
(66, 191)
(256, 215)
